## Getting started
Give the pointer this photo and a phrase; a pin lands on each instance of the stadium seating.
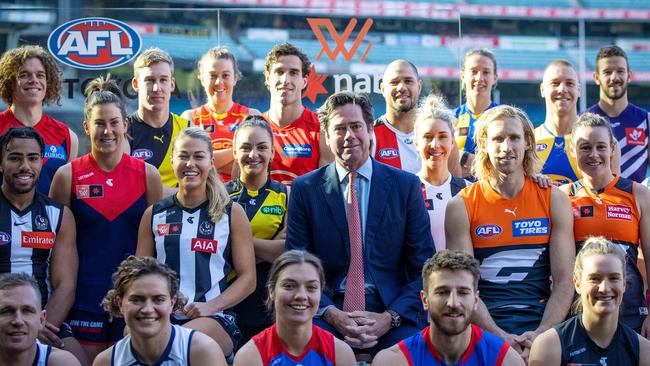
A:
(537, 3)
(191, 47)
(633, 4)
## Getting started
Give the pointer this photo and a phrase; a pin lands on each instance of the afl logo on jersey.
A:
(488, 231)
(388, 153)
(4, 238)
(540, 146)
(94, 43)
(142, 154)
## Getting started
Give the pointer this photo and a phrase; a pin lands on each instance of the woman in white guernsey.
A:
(145, 292)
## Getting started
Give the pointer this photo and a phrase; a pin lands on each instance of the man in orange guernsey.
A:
(299, 146)
(521, 234)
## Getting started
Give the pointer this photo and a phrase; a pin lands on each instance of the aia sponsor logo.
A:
(388, 153)
(204, 245)
(488, 231)
(619, 212)
(221, 144)
(94, 43)
(37, 240)
(635, 136)
(143, 154)
(4, 238)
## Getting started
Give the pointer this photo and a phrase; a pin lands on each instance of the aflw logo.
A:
(339, 40)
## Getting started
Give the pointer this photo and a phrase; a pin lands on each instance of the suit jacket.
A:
(397, 238)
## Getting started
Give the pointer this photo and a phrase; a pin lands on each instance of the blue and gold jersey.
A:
(464, 129)
(553, 150)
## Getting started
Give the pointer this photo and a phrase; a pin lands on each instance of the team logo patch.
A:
(428, 203)
(4, 238)
(530, 227)
(94, 43)
(206, 228)
(635, 136)
(204, 245)
(40, 222)
(583, 211)
(540, 146)
(221, 144)
(142, 154)
(55, 152)
(619, 212)
(488, 231)
(90, 191)
(388, 153)
(208, 128)
(297, 150)
(463, 131)
(37, 240)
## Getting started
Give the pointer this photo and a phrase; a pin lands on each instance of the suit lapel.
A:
(379, 188)
(334, 200)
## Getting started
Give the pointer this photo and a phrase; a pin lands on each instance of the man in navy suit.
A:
(394, 236)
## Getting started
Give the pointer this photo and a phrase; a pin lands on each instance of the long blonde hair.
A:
(218, 197)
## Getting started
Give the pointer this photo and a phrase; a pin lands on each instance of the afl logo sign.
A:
(388, 153)
(94, 43)
(488, 231)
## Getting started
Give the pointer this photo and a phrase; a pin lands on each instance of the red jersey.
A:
(395, 148)
(57, 145)
(221, 127)
(320, 350)
(297, 147)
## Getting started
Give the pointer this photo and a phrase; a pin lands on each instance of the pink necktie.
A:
(354, 298)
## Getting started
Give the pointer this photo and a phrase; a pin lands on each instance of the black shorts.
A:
(95, 329)
(227, 321)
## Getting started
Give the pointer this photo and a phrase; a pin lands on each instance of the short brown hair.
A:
(611, 51)
(340, 99)
(455, 260)
(152, 56)
(286, 49)
(286, 259)
(133, 268)
(9, 281)
(11, 63)
(593, 120)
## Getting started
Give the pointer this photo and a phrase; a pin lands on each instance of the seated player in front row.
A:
(294, 286)
(596, 335)
(21, 319)
(146, 292)
(450, 296)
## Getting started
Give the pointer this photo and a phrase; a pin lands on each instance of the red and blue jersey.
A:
(57, 145)
(484, 349)
(107, 207)
(319, 351)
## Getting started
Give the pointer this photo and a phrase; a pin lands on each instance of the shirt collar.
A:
(365, 170)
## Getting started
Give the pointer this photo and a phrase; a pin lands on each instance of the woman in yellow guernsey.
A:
(265, 203)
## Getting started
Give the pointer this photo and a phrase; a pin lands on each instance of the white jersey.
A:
(436, 199)
(394, 147)
(42, 354)
(177, 352)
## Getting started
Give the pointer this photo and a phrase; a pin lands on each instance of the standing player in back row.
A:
(31, 78)
(521, 234)
(299, 145)
(220, 115)
(629, 122)
(152, 128)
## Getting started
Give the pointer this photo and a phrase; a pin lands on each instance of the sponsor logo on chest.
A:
(530, 227)
(488, 231)
(618, 212)
(297, 150)
(272, 210)
(635, 136)
(204, 245)
(169, 229)
(37, 240)
(55, 152)
(90, 191)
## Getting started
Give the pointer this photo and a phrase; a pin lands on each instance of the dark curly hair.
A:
(13, 60)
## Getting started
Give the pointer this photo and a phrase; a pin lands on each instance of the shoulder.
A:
(164, 204)
(644, 351)
(558, 196)
(546, 349)
(343, 353)
(248, 355)
(390, 356)
(59, 357)
(104, 358)
(180, 121)
(312, 178)
(189, 114)
(205, 351)
(47, 201)
(276, 186)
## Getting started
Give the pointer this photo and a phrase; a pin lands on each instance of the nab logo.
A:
(142, 154)
(388, 153)
(339, 40)
(488, 231)
(635, 136)
(204, 245)
(94, 43)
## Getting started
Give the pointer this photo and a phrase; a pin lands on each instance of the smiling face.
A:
(560, 89)
(285, 80)
(593, 151)
(296, 294)
(506, 145)
(21, 318)
(450, 300)
(601, 284)
(400, 87)
(147, 305)
(106, 128)
(348, 136)
(434, 141)
(478, 76)
(192, 161)
(218, 79)
(31, 83)
(253, 151)
(154, 85)
(21, 165)
(612, 76)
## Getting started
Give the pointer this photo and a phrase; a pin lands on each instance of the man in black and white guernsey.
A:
(37, 235)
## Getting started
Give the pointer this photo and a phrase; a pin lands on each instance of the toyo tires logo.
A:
(94, 43)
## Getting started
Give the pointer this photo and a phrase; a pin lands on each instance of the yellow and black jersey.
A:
(154, 145)
(264, 208)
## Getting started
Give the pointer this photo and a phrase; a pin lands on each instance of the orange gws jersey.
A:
(297, 147)
(612, 212)
(510, 239)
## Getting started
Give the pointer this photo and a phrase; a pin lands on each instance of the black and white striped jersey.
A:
(194, 246)
(27, 238)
